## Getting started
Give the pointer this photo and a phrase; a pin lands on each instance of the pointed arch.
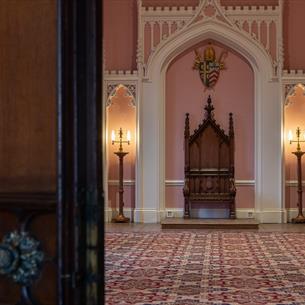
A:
(112, 91)
(268, 119)
(291, 92)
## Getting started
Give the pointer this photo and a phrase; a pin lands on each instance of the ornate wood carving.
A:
(209, 163)
(21, 257)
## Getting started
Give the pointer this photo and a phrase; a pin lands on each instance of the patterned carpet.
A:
(205, 268)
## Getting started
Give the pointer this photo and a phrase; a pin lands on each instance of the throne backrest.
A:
(209, 155)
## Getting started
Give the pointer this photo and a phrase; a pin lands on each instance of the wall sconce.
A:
(121, 154)
(298, 153)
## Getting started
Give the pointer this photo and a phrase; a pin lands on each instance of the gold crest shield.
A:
(208, 66)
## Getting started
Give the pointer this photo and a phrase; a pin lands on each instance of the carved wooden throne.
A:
(209, 164)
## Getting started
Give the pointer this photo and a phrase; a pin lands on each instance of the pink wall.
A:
(294, 43)
(120, 34)
(294, 117)
(120, 29)
(120, 41)
(185, 93)
(121, 113)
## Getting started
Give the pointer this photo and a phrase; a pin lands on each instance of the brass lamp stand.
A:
(299, 153)
(121, 154)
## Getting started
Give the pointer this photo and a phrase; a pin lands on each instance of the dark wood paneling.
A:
(80, 201)
(28, 134)
(44, 230)
(27, 95)
(35, 213)
(9, 291)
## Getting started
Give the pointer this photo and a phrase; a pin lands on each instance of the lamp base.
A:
(120, 218)
(299, 219)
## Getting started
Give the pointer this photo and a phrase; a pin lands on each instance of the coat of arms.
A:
(209, 67)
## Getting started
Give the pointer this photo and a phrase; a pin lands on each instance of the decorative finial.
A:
(231, 128)
(187, 126)
(209, 108)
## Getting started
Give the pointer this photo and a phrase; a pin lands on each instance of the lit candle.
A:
(290, 137)
(128, 136)
(112, 135)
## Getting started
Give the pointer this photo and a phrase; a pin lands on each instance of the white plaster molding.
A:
(237, 182)
(234, 18)
(110, 84)
(113, 86)
(129, 182)
(212, 29)
(290, 88)
(136, 215)
(126, 182)
(120, 75)
(292, 213)
(245, 182)
(241, 213)
(293, 75)
(219, 13)
(155, 216)
(268, 190)
(290, 79)
(293, 183)
(271, 215)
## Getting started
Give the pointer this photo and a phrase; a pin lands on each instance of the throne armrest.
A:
(186, 188)
(232, 187)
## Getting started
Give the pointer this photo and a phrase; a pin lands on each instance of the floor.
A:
(205, 267)
(132, 227)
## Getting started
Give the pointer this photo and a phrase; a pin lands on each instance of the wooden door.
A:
(51, 204)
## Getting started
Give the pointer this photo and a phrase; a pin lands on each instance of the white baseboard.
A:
(271, 216)
(154, 216)
(291, 213)
(240, 213)
(135, 215)
(245, 213)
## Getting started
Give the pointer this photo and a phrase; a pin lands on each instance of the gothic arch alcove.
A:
(120, 113)
(294, 117)
(267, 119)
(234, 92)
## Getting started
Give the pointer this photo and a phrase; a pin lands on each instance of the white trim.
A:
(245, 182)
(155, 216)
(186, 17)
(271, 216)
(126, 182)
(125, 78)
(136, 215)
(120, 75)
(291, 213)
(237, 182)
(293, 183)
(268, 160)
(240, 213)
(131, 182)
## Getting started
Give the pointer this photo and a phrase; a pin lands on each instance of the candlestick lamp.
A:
(298, 153)
(121, 154)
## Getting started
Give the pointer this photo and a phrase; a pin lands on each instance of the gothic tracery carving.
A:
(169, 20)
(113, 87)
